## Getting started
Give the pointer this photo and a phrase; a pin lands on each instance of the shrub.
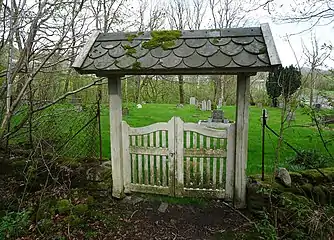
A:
(14, 224)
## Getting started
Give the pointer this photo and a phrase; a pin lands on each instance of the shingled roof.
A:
(217, 51)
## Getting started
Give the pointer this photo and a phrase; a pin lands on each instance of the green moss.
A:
(319, 195)
(262, 50)
(129, 50)
(215, 40)
(165, 39)
(64, 206)
(136, 65)
(131, 37)
(80, 209)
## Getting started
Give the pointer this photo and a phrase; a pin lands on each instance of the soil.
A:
(208, 220)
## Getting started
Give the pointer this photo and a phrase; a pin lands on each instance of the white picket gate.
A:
(179, 159)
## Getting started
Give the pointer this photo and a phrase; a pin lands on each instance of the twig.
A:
(132, 214)
(240, 213)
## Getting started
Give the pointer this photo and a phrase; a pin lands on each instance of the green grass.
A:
(299, 137)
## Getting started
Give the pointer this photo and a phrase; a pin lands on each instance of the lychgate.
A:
(183, 166)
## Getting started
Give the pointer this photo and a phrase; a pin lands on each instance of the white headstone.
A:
(139, 106)
(203, 105)
(208, 107)
(192, 101)
(220, 103)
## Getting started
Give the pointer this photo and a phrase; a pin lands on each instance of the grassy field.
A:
(299, 137)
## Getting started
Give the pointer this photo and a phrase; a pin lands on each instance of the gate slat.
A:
(201, 161)
(152, 160)
(146, 161)
(201, 169)
(214, 173)
(187, 159)
(134, 168)
(208, 164)
(195, 163)
(221, 171)
(215, 143)
(157, 159)
(140, 164)
(164, 160)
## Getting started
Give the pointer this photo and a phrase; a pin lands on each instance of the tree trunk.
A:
(181, 90)
(274, 102)
(218, 89)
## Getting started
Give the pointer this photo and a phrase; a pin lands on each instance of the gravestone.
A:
(192, 101)
(217, 116)
(208, 107)
(203, 105)
(220, 103)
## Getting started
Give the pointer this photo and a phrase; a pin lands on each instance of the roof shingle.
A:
(219, 51)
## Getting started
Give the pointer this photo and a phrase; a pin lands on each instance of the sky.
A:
(324, 34)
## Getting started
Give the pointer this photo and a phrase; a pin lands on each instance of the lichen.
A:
(165, 39)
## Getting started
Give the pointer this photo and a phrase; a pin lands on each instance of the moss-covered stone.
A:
(319, 195)
(165, 39)
(307, 190)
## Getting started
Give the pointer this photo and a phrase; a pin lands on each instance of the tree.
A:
(315, 58)
(284, 81)
(290, 80)
(273, 87)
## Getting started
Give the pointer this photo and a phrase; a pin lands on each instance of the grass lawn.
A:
(299, 137)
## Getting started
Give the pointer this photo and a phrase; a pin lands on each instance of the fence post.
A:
(126, 157)
(230, 163)
(179, 145)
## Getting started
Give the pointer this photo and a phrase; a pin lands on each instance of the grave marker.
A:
(203, 105)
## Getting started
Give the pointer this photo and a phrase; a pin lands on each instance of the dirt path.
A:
(143, 220)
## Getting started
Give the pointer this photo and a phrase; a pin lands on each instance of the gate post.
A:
(230, 163)
(115, 118)
(179, 150)
(241, 140)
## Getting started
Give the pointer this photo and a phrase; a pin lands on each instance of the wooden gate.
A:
(179, 159)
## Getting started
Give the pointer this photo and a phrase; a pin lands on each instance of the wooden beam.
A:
(241, 140)
(115, 113)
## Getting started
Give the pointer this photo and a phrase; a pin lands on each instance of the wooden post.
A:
(241, 140)
(115, 114)
(179, 145)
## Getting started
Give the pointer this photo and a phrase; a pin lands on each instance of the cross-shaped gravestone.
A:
(203, 105)
(192, 101)
(208, 107)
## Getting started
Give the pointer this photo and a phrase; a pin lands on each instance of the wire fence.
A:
(70, 128)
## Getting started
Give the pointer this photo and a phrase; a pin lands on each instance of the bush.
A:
(14, 224)
(308, 159)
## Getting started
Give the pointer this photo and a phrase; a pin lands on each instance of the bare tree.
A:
(315, 58)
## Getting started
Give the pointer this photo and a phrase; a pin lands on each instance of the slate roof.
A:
(194, 52)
